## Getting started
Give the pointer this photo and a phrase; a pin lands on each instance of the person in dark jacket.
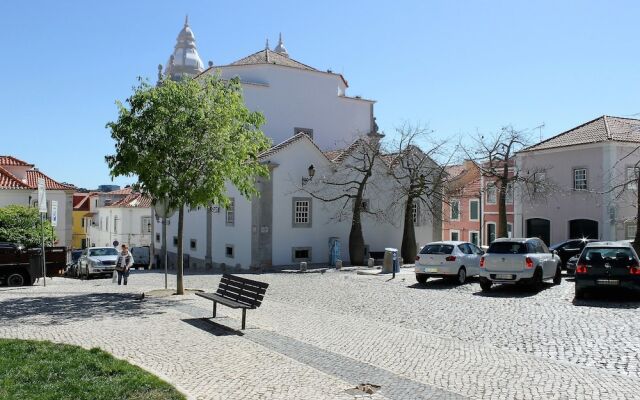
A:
(124, 263)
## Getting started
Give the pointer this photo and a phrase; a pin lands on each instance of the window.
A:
(509, 194)
(491, 232)
(539, 179)
(229, 251)
(509, 230)
(474, 210)
(82, 222)
(175, 241)
(632, 178)
(146, 224)
(301, 217)
(455, 235)
(300, 254)
(231, 213)
(630, 230)
(465, 249)
(437, 249)
(193, 244)
(580, 179)
(492, 194)
(308, 131)
(115, 224)
(158, 237)
(414, 212)
(455, 210)
(474, 237)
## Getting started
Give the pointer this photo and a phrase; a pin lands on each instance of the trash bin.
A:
(334, 250)
(391, 263)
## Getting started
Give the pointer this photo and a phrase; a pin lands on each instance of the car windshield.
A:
(437, 249)
(107, 251)
(595, 255)
(507, 248)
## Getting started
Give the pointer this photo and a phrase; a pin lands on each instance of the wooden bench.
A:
(236, 292)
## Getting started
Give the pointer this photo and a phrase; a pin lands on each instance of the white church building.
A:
(309, 118)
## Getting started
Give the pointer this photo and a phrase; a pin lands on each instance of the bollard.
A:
(370, 262)
(303, 266)
(338, 264)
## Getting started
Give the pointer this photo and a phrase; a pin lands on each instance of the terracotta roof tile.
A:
(12, 161)
(133, 200)
(50, 184)
(601, 129)
(267, 56)
(10, 181)
(293, 139)
(126, 190)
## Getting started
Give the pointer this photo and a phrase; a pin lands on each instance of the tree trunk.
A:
(356, 239)
(502, 209)
(408, 250)
(180, 263)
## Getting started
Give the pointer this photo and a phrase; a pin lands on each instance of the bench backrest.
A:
(242, 290)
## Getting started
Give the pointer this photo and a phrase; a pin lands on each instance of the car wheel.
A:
(579, 294)
(422, 279)
(462, 275)
(536, 282)
(485, 284)
(15, 279)
(557, 278)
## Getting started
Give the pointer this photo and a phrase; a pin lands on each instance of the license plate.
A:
(504, 276)
(431, 269)
(610, 282)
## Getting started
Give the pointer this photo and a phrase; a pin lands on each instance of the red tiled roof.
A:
(10, 181)
(127, 190)
(50, 184)
(133, 200)
(12, 161)
(80, 202)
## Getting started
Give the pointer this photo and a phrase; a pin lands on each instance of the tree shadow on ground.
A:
(212, 327)
(441, 284)
(513, 290)
(72, 308)
(610, 298)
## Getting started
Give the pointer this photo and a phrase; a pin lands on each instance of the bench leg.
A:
(214, 309)
(244, 316)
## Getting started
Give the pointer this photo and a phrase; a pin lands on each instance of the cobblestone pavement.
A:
(319, 334)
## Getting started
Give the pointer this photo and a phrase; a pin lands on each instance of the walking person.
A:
(124, 263)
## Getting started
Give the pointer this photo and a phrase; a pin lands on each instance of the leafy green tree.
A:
(20, 224)
(185, 141)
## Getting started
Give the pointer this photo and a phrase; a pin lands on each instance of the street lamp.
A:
(311, 171)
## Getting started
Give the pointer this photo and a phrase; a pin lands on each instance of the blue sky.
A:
(458, 66)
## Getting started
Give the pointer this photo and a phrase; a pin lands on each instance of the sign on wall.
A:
(54, 213)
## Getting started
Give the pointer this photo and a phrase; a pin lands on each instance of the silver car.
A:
(448, 259)
(519, 261)
(97, 261)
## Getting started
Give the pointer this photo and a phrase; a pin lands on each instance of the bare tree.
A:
(347, 183)
(419, 179)
(495, 156)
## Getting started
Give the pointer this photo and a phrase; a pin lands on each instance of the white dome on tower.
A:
(280, 47)
(185, 59)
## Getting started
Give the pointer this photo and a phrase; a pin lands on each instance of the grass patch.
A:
(47, 371)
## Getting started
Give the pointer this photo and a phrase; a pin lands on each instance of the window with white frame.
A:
(492, 194)
(491, 232)
(146, 225)
(509, 230)
(301, 217)
(230, 217)
(538, 181)
(455, 210)
(630, 230)
(115, 224)
(580, 179)
(631, 178)
(474, 210)
(474, 237)
(455, 235)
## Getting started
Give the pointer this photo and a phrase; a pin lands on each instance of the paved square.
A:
(317, 335)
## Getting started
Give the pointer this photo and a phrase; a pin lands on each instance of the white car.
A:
(448, 259)
(97, 261)
(519, 261)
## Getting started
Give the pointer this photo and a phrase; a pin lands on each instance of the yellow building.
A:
(81, 219)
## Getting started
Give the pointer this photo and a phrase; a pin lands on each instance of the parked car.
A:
(607, 264)
(448, 259)
(570, 248)
(571, 264)
(97, 261)
(140, 257)
(524, 261)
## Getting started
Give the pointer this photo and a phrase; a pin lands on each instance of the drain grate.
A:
(363, 390)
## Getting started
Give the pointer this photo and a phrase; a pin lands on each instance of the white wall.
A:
(294, 98)
(129, 230)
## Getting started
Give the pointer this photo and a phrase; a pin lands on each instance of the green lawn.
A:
(47, 371)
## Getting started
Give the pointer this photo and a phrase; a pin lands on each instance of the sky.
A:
(458, 67)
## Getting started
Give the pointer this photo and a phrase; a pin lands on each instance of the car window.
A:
(507, 248)
(437, 249)
(465, 248)
(107, 251)
(476, 249)
(542, 247)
